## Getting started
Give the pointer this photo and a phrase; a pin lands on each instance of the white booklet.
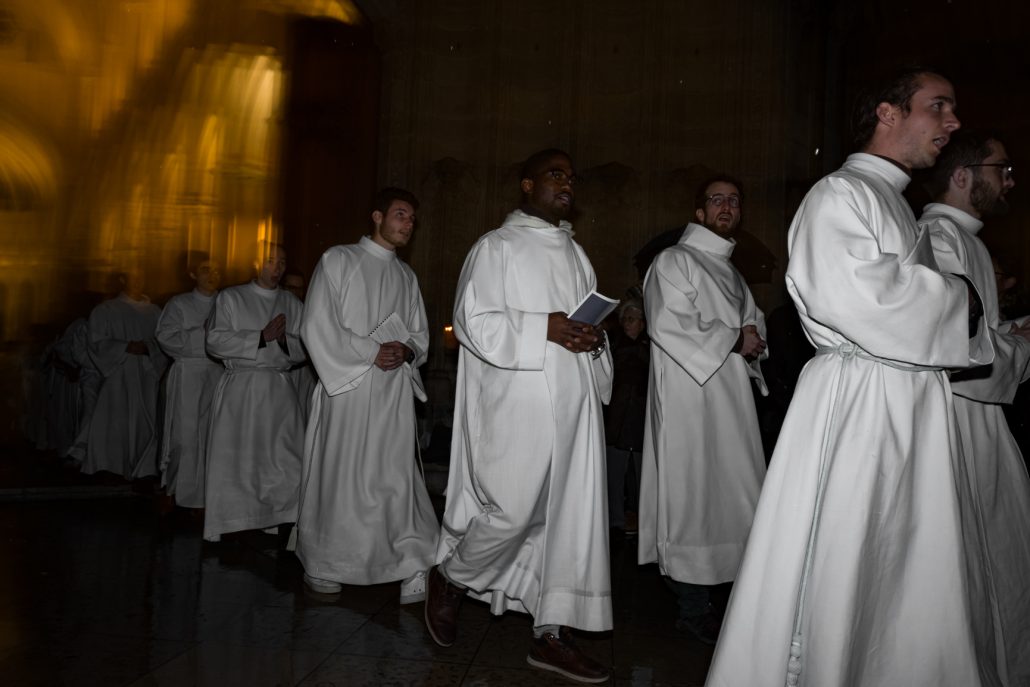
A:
(593, 309)
(390, 329)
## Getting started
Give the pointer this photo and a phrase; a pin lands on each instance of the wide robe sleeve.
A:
(753, 315)
(486, 323)
(417, 324)
(892, 306)
(341, 356)
(296, 353)
(697, 343)
(224, 340)
(999, 381)
(175, 338)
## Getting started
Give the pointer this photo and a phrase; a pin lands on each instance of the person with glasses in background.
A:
(969, 184)
(703, 461)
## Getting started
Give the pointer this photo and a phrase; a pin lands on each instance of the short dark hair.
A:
(701, 196)
(534, 164)
(385, 197)
(264, 249)
(965, 147)
(195, 258)
(896, 90)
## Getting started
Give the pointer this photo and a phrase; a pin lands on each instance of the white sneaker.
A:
(321, 586)
(413, 589)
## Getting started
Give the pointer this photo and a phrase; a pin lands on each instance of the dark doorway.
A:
(330, 137)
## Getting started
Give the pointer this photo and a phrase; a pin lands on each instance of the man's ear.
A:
(526, 185)
(886, 114)
(377, 217)
(699, 215)
(961, 178)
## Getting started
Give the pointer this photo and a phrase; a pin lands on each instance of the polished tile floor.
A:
(104, 592)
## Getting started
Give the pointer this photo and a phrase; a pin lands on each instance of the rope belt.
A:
(849, 350)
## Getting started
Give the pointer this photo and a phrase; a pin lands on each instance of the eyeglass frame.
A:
(733, 200)
(1007, 168)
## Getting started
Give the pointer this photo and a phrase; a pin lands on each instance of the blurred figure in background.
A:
(181, 331)
(123, 431)
(624, 418)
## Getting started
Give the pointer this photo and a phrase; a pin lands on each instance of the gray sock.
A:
(540, 630)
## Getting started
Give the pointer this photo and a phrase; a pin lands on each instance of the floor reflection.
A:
(104, 592)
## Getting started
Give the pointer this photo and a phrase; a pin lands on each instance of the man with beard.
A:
(257, 429)
(189, 385)
(524, 527)
(969, 183)
(365, 515)
(860, 569)
(703, 459)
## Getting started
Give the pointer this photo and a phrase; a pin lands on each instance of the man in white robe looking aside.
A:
(257, 429)
(703, 460)
(123, 430)
(189, 385)
(969, 184)
(525, 527)
(862, 567)
(365, 515)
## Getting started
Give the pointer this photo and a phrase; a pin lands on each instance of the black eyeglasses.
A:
(1007, 170)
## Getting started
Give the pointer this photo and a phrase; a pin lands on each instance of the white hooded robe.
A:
(526, 523)
(863, 567)
(703, 461)
(365, 515)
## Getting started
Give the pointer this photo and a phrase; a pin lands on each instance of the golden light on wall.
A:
(132, 134)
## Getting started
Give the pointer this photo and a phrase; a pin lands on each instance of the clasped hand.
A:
(392, 355)
(752, 344)
(275, 329)
(577, 337)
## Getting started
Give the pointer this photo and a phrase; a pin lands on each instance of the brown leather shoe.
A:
(443, 600)
(561, 655)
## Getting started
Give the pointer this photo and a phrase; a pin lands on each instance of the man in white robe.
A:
(525, 526)
(365, 515)
(703, 460)
(188, 387)
(257, 429)
(969, 183)
(861, 568)
(123, 431)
